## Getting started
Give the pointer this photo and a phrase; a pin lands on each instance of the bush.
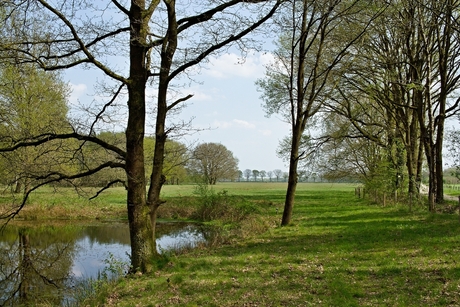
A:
(221, 206)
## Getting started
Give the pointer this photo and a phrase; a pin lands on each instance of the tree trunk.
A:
(418, 176)
(413, 156)
(142, 241)
(438, 159)
(292, 179)
(444, 50)
(18, 187)
(157, 179)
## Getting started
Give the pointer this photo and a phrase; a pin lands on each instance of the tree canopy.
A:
(213, 162)
(32, 102)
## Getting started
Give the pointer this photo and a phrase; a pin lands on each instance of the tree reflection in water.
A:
(34, 265)
(43, 264)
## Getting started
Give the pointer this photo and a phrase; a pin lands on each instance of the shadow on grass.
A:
(339, 251)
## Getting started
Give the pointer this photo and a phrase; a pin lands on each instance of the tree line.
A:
(277, 175)
(367, 89)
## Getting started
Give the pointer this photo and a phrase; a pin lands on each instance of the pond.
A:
(47, 263)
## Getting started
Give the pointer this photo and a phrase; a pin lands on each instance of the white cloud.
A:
(244, 124)
(201, 96)
(266, 132)
(222, 124)
(203, 93)
(230, 65)
(77, 90)
(235, 123)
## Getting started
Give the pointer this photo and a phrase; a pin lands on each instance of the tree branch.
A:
(82, 45)
(42, 139)
(108, 185)
(225, 42)
(175, 103)
(56, 177)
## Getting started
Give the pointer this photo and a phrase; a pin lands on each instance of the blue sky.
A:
(226, 104)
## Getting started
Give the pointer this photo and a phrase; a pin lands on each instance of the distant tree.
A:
(176, 157)
(314, 175)
(285, 176)
(453, 138)
(31, 102)
(247, 174)
(91, 155)
(255, 174)
(270, 175)
(302, 174)
(240, 175)
(277, 173)
(213, 162)
(262, 174)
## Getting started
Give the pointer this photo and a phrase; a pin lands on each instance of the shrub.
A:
(221, 206)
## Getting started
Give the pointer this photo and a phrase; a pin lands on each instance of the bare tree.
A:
(247, 174)
(160, 41)
(270, 175)
(262, 174)
(277, 173)
(255, 174)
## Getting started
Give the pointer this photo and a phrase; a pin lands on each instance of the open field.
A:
(67, 203)
(339, 251)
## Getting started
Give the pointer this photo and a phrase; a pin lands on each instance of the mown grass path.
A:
(339, 251)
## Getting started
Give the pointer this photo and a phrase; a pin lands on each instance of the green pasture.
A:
(339, 251)
(68, 203)
(452, 189)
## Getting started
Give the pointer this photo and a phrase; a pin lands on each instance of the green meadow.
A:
(339, 251)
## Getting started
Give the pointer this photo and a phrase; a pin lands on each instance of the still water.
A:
(45, 263)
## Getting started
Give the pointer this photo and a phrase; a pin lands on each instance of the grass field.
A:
(67, 203)
(339, 251)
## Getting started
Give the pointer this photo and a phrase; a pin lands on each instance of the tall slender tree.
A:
(314, 46)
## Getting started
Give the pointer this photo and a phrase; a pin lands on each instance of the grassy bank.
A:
(339, 251)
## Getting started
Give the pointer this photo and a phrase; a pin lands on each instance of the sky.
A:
(225, 105)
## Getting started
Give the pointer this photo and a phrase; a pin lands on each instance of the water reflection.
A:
(34, 265)
(38, 263)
